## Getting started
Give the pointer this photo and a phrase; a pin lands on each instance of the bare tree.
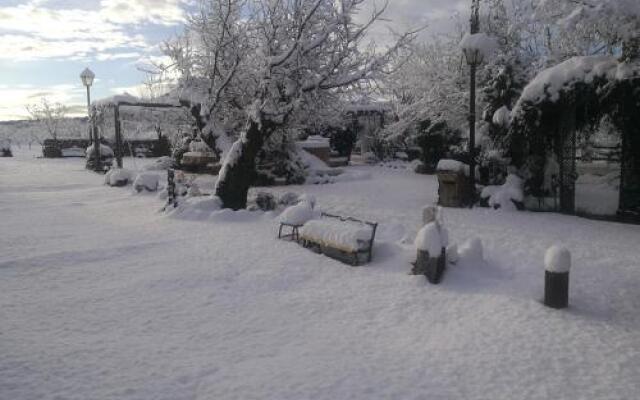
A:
(50, 115)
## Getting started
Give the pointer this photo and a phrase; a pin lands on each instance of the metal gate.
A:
(566, 153)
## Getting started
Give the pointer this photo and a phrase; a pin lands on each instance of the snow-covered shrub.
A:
(146, 181)
(264, 201)
(492, 167)
(288, 199)
(6, 151)
(509, 196)
(118, 177)
(342, 140)
(436, 140)
(279, 162)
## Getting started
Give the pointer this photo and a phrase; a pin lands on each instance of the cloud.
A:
(44, 30)
(163, 12)
(402, 15)
(15, 98)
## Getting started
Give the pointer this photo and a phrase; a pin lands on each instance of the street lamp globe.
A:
(87, 77)
(474, 56)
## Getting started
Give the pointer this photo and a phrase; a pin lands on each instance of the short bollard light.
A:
(557, 262)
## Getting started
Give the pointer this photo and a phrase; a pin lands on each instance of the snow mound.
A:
(452, 254)
(503, 197)
(298, 214)
(118, 177)
(345, 235)
(471, 250)
(196, 208)
(146, 181)
(557, 259)
(161, 164)
(105, 151)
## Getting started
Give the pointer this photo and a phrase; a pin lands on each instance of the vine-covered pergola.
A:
(570, 97)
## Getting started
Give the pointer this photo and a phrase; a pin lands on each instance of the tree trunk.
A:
(238, 170)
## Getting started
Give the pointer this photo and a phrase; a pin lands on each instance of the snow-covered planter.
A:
(118, 177)
(454, 187)
(146, 181)
(343, 238)
(557, 262)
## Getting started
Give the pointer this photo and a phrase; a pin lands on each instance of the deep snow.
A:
(104, 297)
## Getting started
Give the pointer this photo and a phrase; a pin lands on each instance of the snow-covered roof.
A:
(113, 100)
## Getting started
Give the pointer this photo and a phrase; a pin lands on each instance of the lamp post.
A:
(474, 57)
(87, 77)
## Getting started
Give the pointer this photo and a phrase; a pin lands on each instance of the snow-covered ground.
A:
(104, 297)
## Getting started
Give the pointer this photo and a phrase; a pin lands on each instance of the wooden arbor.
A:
(550, 112)
(115, 104)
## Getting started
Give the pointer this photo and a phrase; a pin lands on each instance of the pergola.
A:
(115, 103)
(567, 98)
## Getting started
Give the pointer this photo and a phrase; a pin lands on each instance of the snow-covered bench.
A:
(344, 238)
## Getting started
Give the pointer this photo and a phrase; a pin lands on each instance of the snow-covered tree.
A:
(589, 27)
(266, 62)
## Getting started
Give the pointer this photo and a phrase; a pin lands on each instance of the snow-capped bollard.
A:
(557, 263)
(431, 259)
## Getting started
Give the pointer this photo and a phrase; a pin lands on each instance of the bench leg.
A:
(280, 232)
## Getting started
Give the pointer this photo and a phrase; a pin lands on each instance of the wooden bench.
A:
(346, 239)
